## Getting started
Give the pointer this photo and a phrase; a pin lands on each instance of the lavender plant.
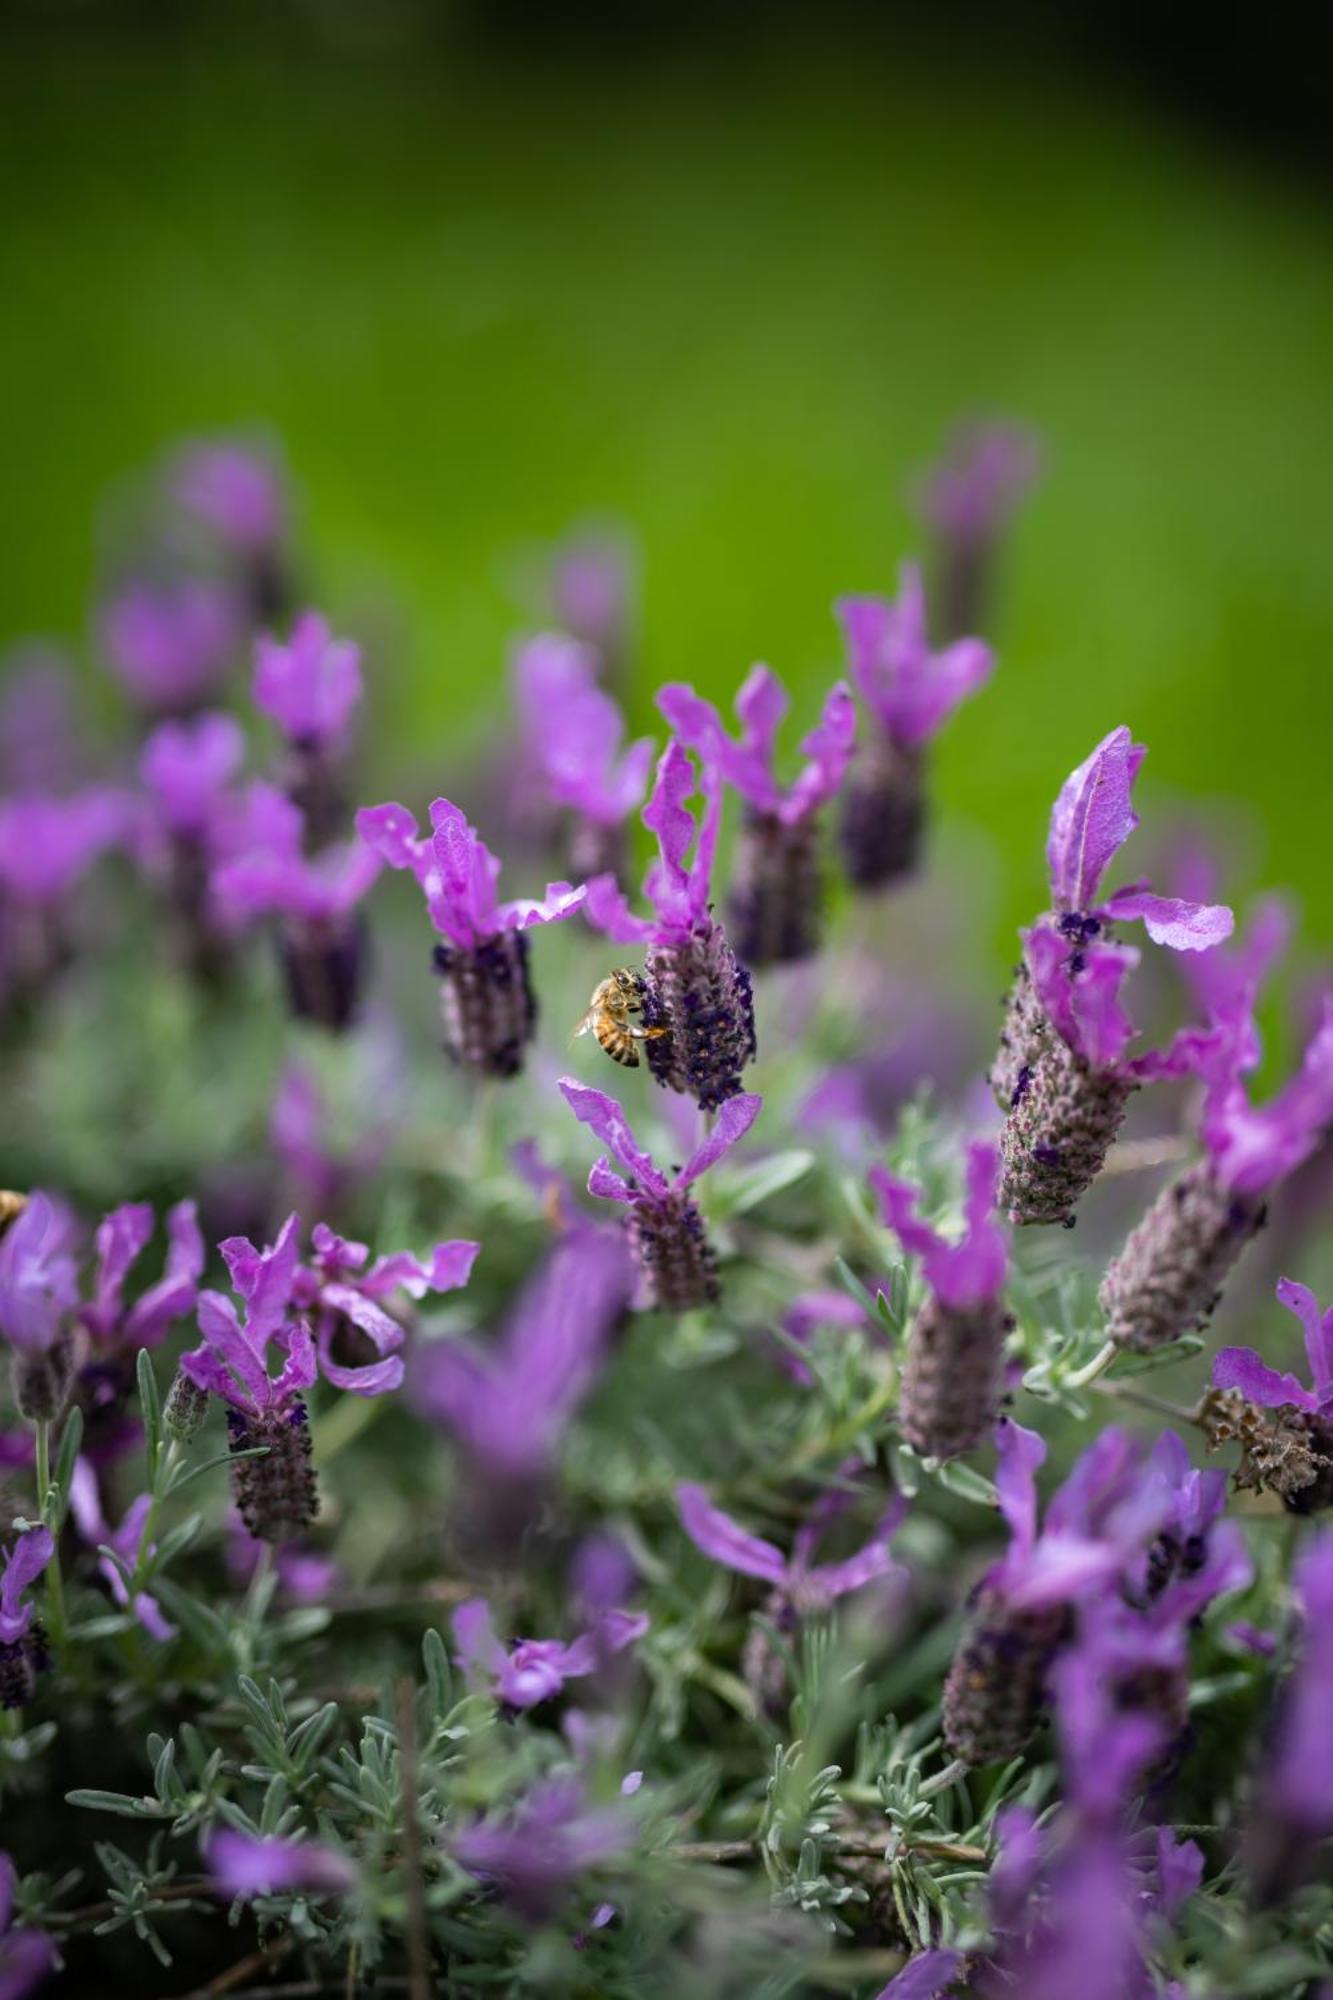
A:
(462, 1561)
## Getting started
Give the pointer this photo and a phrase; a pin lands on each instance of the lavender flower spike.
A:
(910, 692)
(953, 1375)
(677, 1264)
(968, 499)
(694, 987)
(38, 1292)
(490, 1009)
(275, 1494)
(1302, 1472)
(1167, 1279)
(774, 908)
(310, 688)
(1295, 1804)
(322, 939)
(26, 1955)
(577, 735)
(1062, 1074)
(23, 1653)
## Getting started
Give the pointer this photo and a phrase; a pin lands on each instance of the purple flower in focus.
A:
(909, 692)
(26, 1955)
(675, 1261)
(126, 1542)
(170, 643)
(576, 732)
(23, 1653)
(531, 1671)
(968, 498)
(774, 909)
(310, 686)
(535, 1851)
(953, 1374)
(490, 1010)
(242, 1864)
(346, 1303)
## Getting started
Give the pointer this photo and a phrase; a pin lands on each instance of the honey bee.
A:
(609, 1017)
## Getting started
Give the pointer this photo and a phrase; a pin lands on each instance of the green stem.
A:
(55, 1591)
(1100, 1362)
(161, 1487)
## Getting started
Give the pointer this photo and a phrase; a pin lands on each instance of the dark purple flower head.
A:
(26, 1956)
(458, 874)
(125, 1541)
(577, 731)
(310, 686)
(236, 491)
(1241, 1368)
(233, 1361)
(346, 1300)
(47, 842)
(39, 1284)
(21, 1567)
(242, 1864)
(538, 1848)
(984, 473)
(972, 1270)
(748, 765)
(170, 643)
(189, 768)
(910, 689)
(272, 872)
(531, 1671)
(678, 884)
(806, 1586)
(508, 1405)
(121, 1237)
(1252, 1148)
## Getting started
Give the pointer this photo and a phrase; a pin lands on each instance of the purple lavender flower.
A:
(38, 1291)
(926, 1976)
(968, 499)
(310, 688)
(196, 819)
(322, 939)
(775, 904)
(170, 643)
(1303, 1474)
(126, 1542)
(1062, 1075)
(799, 1587)
(531, 1671)
(26, 1955)
(346, 1304)
(592, 588)
(1168, 1278)
(305, 1575)
(508, 1406)
(113, 1332)
(676, 1263)
(694, 987)
(535, 1850)
(1103, 1516)
(47, 845)
(490, 1009)
(1294, 1807)
(953, 1374)
(236, 490)
(41, 738)
(576, 731)
(276, 1493)
(909, 692)
(243, 1864)
(23, 1653)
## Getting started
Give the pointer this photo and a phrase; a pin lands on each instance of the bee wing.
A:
(584, 1026)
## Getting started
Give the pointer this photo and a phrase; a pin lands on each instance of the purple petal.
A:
(1180, 1865)
(32, 1551)
(311, 685)
(1318, 1331)
(607, 911)
(724, 1540)
(1171, 921)
(1253, 1148)
(391, 831)
(480, 1653)
(242, 1865)
(829, 748)
(605, 1117)
(733, 1121)
(1020, 1452)
(1240, 1368)
(560, 901)
(924, 1977)
(837, 1579)
(1093, 818)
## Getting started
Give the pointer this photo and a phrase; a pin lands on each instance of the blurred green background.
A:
(732, 292)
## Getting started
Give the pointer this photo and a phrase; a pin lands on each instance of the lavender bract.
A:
(490, 1009)
(774, 911)
(676, 1263)
(695, 990)
(909, 692)
(953, 1374)
(1062, 1075)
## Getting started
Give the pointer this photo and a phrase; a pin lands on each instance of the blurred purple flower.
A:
(530, 1671)
(47, 842)
(188, 769)
(170, 642)
(236, 490)
(676, 1263)
(301, 1131)
(591, 588)
(535, 1852)
(23, 1653)
(925, 1976)
(39, 1284)
(27, 1956)
(1294, 1805)
(125, 1541)
(41, 741)
(242, 1864)
(576, 731)
(968, 499)
(122, 1235)
(311, 685)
